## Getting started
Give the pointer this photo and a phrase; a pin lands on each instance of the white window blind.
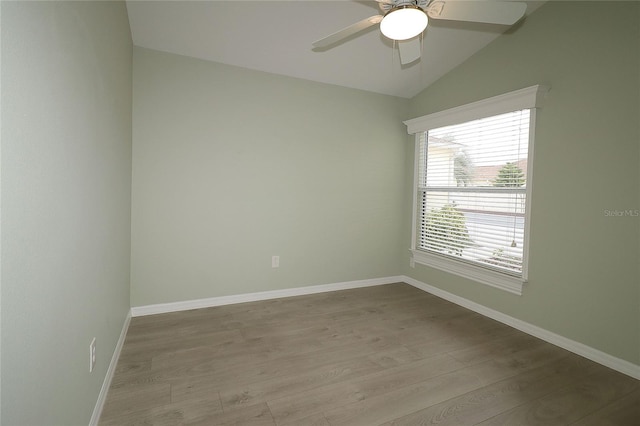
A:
(472, 191)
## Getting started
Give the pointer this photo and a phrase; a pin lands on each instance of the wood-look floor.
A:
(385, 355)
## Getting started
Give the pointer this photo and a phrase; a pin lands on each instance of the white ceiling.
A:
(276, 37)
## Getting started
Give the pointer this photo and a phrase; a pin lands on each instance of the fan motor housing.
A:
(386, 7)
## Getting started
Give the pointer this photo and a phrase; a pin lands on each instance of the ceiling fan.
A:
(404, 20)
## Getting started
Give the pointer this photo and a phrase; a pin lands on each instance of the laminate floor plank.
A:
(394, 357)
(403, 400)
(234, 374)
(255, 415)
(137, 397)
(284, 385)
(389, 354)
(623, 411)
(170, 414)
(497, 346)
(488, 401)
(569, 404)
(508, 365)
(314, 420)
(289, 409)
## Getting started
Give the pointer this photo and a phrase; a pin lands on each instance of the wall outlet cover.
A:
(92, 355)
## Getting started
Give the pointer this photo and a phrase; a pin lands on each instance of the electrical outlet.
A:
(275, 261)
(92, 355)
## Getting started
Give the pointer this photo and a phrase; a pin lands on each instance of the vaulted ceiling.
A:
(276, 37)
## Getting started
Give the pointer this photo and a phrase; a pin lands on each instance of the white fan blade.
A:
(346, 32)
(410, 50)
(486, 12)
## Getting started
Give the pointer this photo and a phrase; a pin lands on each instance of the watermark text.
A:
(622, 213)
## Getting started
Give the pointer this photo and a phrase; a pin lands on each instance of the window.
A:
(472, 188)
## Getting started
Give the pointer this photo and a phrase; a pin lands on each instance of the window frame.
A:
(527, 98)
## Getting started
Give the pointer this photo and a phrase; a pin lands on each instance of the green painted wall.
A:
(232, 166)
(584, 279)
(66, 188)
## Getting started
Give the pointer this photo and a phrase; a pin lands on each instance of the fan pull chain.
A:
(422, 54)
(393, 57)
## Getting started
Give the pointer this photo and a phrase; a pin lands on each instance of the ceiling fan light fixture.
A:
(403, 22)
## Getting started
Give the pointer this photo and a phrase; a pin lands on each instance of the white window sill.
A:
(485, 276)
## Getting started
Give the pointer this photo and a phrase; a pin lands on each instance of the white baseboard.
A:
(186, 305)
(102, 397)
(620, 365)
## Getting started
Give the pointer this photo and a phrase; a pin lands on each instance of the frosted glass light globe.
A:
(403, 23)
